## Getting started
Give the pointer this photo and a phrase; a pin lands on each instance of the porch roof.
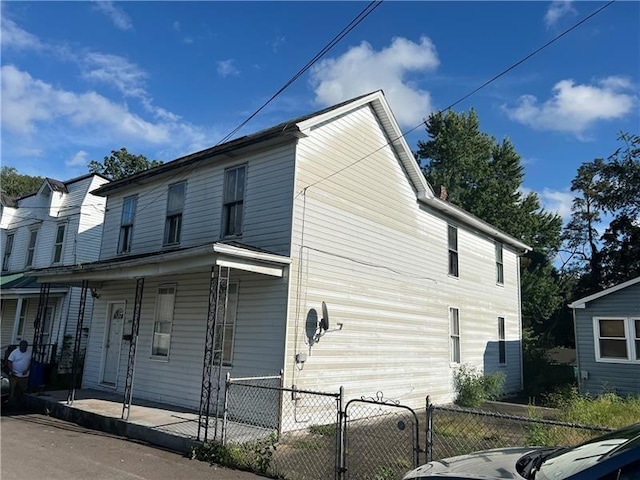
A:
(167, 262)
(18, 284)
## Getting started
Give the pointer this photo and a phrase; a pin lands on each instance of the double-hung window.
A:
(58, 243)
(126, 223)
(175, 205)
(233, 202)
(8, 248)
(499, 265)
(165, 303)
(31, 247)
(502, 342)
(452, 238)
(454, 332)
(226, 332)
(617, 339)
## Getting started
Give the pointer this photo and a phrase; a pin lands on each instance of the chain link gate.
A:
(382, 439)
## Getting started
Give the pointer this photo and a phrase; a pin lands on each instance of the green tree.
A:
(15, 185)
(121, 164)
(485, 177)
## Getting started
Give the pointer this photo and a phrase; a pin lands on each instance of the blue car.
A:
(613, 456)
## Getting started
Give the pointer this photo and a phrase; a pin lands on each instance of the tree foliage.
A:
(15, 185)
(485, 177)
(121, 164)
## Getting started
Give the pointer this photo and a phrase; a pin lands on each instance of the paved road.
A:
(35, 446)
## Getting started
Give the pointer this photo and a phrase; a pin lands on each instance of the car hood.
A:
(490, 464)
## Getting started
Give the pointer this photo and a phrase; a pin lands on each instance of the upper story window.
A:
(58, 243)
(617, 339)
(8, 248)
(233, 203)
(126, 223)
(502, 342)
(452, 236)
(31, 247)
(499, 264)
(165, 303)
(175, 205)
(454, 329)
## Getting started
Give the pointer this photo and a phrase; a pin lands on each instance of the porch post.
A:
(43, 301)
(16, 319)
(213, 347)
(71, 396)
(135, 326)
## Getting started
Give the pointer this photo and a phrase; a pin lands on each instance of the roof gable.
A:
(582, 303)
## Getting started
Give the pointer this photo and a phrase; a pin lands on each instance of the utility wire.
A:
(461, 99)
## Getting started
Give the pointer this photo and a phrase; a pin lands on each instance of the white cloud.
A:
(176, 26)
(557, 201)
(362, 69)
(226, 68)
(118, 16)
(78, 160)
(557, 10)
(574, 108)
(15, 37)
(116, 71)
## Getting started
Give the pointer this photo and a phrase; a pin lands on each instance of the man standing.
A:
(19, 363)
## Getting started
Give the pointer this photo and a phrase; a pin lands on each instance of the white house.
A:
(331, 207)
(59, 225)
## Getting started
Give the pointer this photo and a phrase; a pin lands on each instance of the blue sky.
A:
(168, 78)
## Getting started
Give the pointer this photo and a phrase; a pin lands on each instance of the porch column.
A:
(16, 319)
(131, 365)
(213, 348)
(71, 396)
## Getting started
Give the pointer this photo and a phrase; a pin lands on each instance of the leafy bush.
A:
(255, 456)
(474, 388)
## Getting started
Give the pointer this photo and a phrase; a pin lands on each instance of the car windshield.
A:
(571, 461)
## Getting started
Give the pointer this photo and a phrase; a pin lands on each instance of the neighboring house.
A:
(60, 224)
(330, 207)
(607, 331)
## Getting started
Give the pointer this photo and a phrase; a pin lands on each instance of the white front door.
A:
(112, 343)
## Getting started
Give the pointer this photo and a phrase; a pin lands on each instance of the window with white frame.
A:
(454, 329)
(499, 265)
(175, 205)
(502, 342)
(8, 248)
(58, 243)
(617, 339)
(233, 203)
(126, 223)
(226, 335)
(162, 326)
(31, 247)
(452, 238)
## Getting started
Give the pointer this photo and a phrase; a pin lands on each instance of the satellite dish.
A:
(324, 321)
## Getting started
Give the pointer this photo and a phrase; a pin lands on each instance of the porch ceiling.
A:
(172, 262)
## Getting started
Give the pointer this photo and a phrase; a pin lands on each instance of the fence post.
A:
(341, 450)
(429, 446)
(227, 384)
(280, 405)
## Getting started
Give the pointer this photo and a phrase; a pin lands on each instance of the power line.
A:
(461, 99)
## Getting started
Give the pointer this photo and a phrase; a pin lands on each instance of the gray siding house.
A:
(607, 330)
(326, 210)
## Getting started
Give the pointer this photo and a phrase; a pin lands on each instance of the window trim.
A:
(60, 244)
(225, 204)
(120, 250)
(453, 252)
(153, 356)
(31, 251)
(6, 255)
(452, 336)
(21, 328)
(502, 341)
(499, 252)
(629, 330)
(171, 214)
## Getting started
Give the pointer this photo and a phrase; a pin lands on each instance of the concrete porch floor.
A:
(159, 424)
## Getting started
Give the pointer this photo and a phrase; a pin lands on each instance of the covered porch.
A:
(161, 331)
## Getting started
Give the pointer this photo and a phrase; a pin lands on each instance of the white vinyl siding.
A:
(8, 248)
(58, 243)
(165, 303)
(454, 335)
(617, 339)
(233, 206)
(175, 206)
(126, 224)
